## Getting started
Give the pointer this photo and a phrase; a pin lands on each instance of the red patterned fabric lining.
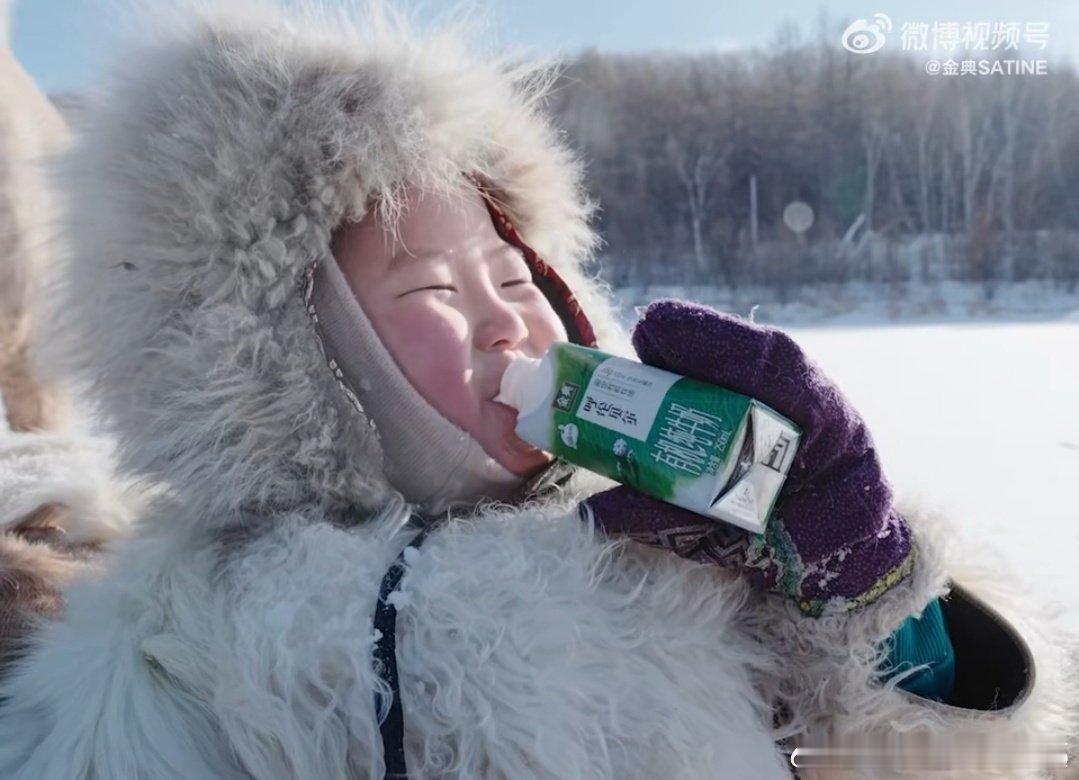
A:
(565, 303)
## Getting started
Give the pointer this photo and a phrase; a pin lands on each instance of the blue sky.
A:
(62, 43)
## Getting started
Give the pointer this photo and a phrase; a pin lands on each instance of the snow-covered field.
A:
(981, 420)
(862, 303)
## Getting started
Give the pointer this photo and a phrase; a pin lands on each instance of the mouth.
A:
(505, 412)
(508, 420)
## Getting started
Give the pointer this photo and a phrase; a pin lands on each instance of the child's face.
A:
(454, 304)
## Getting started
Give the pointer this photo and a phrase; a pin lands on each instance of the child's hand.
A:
(834, 541)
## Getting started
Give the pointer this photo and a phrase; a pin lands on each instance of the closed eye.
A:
(449, 287)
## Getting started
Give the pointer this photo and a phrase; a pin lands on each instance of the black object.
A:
(994, 669)
(385, 657)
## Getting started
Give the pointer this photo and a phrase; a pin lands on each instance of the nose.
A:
(501, 326)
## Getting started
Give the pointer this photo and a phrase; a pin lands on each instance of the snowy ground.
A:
(859, 303)
(981, 420)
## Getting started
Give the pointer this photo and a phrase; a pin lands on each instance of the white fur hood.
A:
(214, 164)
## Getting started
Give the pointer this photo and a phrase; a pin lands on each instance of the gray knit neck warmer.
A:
(428, 459)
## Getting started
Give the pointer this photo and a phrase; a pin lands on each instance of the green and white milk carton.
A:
(696, 445)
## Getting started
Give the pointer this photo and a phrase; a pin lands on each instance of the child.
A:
(306, 254)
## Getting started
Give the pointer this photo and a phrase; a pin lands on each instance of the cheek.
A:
(544, 327)
(430, 344)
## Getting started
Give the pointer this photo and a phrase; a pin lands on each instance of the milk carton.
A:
(698, 446)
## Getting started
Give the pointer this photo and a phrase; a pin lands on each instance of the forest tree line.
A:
(694, 157)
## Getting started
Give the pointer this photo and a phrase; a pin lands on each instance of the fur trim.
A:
(45, 468)
(89, 702)
(529, 647)
(32, 577)
(828, 686)
(207, 181)
(58, 504)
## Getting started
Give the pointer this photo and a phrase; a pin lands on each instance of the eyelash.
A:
(512, 283)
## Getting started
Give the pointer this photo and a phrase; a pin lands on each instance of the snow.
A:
(979, 420)
(864, 303)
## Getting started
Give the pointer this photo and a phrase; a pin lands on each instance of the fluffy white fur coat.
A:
(528, 647)
(231, 634)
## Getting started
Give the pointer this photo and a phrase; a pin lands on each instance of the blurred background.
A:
(897, 183)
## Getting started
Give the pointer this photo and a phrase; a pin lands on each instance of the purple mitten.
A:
(834, 541)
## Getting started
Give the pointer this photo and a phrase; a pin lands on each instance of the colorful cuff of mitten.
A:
(852, 577)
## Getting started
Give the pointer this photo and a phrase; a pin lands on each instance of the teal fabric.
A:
(924, 641)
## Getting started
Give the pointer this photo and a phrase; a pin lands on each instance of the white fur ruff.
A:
(528, 646)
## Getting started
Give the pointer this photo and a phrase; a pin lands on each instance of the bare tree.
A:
(874, 136)
(974, 128)
(924, 137)
(697, 169)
